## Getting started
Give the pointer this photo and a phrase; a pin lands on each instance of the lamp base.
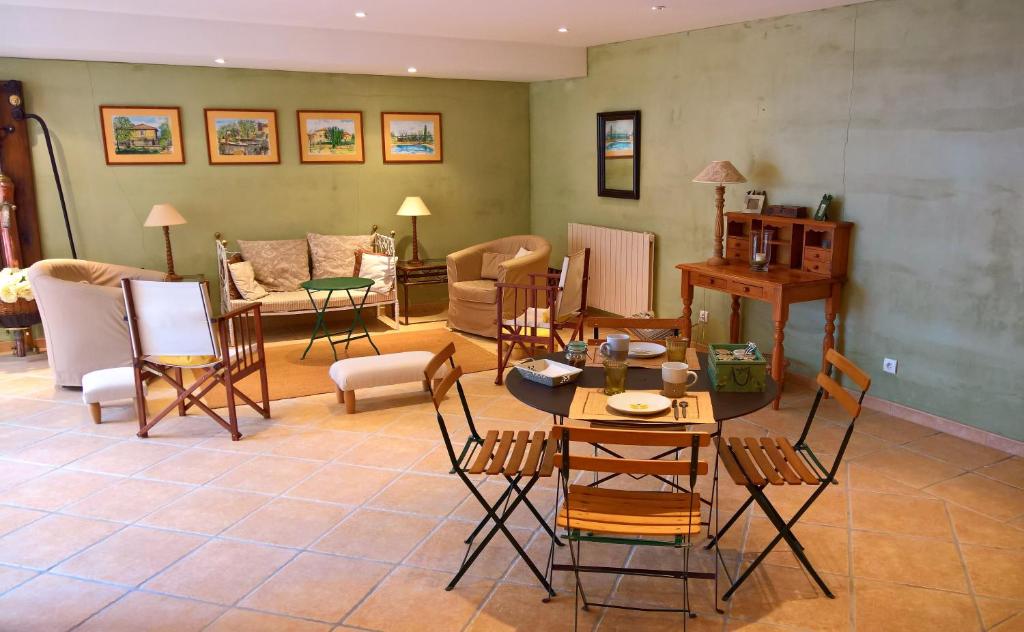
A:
(415, 262)
(172, 277)
(717, 261)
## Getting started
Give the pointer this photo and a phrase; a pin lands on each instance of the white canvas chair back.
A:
(570, 299)
(172, 319)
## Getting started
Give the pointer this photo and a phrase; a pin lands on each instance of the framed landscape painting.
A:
(411, 137)
(330, 136)
(241, 137)
(141, 135)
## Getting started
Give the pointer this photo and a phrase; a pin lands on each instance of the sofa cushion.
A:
(335, 255)
(475, 291)
(278, 302)
(491, 266)
(280, 265)
(378, 268)
(244, 280)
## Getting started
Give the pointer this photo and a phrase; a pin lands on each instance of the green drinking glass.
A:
(614, 377)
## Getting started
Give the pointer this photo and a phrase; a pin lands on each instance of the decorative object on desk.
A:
(821, 213)
(165, 216)
(414, 207)
(411, 137)
(754, 202)
(618, 154)
(141, 135)
(719, 173)
(761, 253)
(783, 210)
(241, 137)
(548, 372)
(736, 373)
(326, 136)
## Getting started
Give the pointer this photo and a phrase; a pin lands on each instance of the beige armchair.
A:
(82, 309)
(472, 300)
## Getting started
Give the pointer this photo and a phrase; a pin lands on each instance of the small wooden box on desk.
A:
(807, 262)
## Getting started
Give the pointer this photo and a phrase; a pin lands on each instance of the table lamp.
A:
(165, 216)
(720, 173)
(414, 207)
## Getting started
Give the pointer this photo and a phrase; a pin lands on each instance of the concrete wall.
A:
(911, 112)
(481, 191)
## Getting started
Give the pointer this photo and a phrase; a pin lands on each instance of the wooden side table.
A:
(428, 272)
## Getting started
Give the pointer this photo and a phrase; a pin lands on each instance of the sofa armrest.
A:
(465, 265)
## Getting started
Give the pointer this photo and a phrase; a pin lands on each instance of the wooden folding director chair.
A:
(632, 518)
(757, 463)
(516, 456)
(171, 330)
(535, 314)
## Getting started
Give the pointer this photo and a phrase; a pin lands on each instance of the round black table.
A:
(557, 400)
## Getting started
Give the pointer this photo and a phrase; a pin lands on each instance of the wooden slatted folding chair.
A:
(535, 314)
(515, 456)
(633, 518)
(757, 463)
(634, 326)
(171, 330)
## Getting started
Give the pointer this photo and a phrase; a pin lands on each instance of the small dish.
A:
(637, 403)
(645, 349)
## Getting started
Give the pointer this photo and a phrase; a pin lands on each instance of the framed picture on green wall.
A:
(135, 135)
(241, 137)
(330, 136)
(411, 137)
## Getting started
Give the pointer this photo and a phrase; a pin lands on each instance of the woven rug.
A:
(289, 376)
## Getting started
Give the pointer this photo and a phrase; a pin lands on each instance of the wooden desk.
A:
(779, 286)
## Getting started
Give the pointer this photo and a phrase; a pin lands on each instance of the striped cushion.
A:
(280, 302)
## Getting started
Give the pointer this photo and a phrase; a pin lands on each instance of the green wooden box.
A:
(736, 376)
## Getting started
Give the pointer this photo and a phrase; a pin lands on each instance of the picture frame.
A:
(821, 213)
(754, 202)
(241, 136)
(618, 154)
(411, 137)
(142, 135)
(330, 136)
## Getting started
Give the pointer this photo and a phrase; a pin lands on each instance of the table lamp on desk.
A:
(414, 207)
(165, 216)
(719, 173)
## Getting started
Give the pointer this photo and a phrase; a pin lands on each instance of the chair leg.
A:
(350, 402)
(229, 389)
(182, 406)
(95, 411)
(141, 410)
(265, 390)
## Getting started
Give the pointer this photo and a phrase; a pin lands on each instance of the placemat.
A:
(594, 359)
(591, 404)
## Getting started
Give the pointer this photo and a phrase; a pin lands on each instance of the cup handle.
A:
(691, 382)
(603, 350)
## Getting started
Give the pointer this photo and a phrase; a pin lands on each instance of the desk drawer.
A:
(737, 248)
(817, 254)
(743, 289)
(817, 267)
(704, 280)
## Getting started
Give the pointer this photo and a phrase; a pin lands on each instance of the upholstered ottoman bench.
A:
(107, 385)
(379, 370)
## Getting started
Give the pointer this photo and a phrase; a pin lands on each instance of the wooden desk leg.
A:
(831, 307)
(778, 351)
(686, 290)
(734, 320)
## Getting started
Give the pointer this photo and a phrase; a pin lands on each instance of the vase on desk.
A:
(759, 257)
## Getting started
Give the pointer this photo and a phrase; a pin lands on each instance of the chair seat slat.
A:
(547, 464)
(484, 456)
(740, 452)
(516, 457)
(779, 460)
(731, 466)
(504, 445)
(533, 458)
(762, 461)
(796, 462)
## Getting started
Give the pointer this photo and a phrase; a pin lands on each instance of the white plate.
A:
(639, 403)
(645, 349)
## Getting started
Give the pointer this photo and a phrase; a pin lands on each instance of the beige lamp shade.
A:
(720, 172)
(413, 206)
(164, 215)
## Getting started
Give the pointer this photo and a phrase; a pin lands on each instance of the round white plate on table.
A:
(645, 349)
(639, 403)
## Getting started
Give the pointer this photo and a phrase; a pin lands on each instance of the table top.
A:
(336, 283)
(557, 400)
(775, 275)
(426, 263)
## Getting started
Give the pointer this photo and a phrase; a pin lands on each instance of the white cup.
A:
(677, 377)
(616, 347)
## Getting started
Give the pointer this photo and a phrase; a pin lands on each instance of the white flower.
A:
(14, 285)
(8, 294)
(24, 290)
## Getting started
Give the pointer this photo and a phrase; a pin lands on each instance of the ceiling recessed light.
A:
(658, 7)
(411, 69)
(219, 60)
(562, 29)
(360, 14)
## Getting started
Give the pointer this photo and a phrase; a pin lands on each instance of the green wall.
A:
(479, 192)
(911, 112)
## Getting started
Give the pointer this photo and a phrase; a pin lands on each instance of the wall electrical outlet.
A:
(889, 365)
(702, 317)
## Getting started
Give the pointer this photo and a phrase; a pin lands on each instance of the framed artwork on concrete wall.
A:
(241, 137)
(410, 137)
(330, 136)
(141, 135)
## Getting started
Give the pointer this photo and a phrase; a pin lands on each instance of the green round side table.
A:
(331, 285)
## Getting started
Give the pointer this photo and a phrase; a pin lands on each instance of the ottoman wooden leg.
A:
(94, 410)
(340, 394)
(350, 402)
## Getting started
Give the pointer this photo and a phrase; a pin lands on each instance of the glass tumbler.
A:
(614, 377)
(677, 346)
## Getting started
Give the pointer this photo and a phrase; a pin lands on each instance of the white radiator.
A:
(621, 268)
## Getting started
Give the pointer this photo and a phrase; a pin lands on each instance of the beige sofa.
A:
(472, 300)
(82, 309)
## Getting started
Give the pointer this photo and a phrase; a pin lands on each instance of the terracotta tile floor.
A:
(321, 521)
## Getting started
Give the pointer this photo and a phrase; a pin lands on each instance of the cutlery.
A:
(683, 405)
(675, 409)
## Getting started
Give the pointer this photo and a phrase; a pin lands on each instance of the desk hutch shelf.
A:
(818, 247)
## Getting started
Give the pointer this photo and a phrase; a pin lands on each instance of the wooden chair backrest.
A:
(662, 439)
(615, 322)
(435, 364)
(573, 283)
(169, 318)
(850, 370)
(446, 384)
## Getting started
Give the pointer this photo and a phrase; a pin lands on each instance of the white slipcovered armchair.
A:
(82, 309)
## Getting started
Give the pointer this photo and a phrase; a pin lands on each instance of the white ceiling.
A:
(514, 40)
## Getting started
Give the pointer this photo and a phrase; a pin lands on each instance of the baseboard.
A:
(929, 420)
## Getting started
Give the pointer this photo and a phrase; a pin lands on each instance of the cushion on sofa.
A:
(335, 255)
(476, 291)
(378, 268)
(244, 280)
(232, 289)
(280, 265)
(298, 301)
(491, 264)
